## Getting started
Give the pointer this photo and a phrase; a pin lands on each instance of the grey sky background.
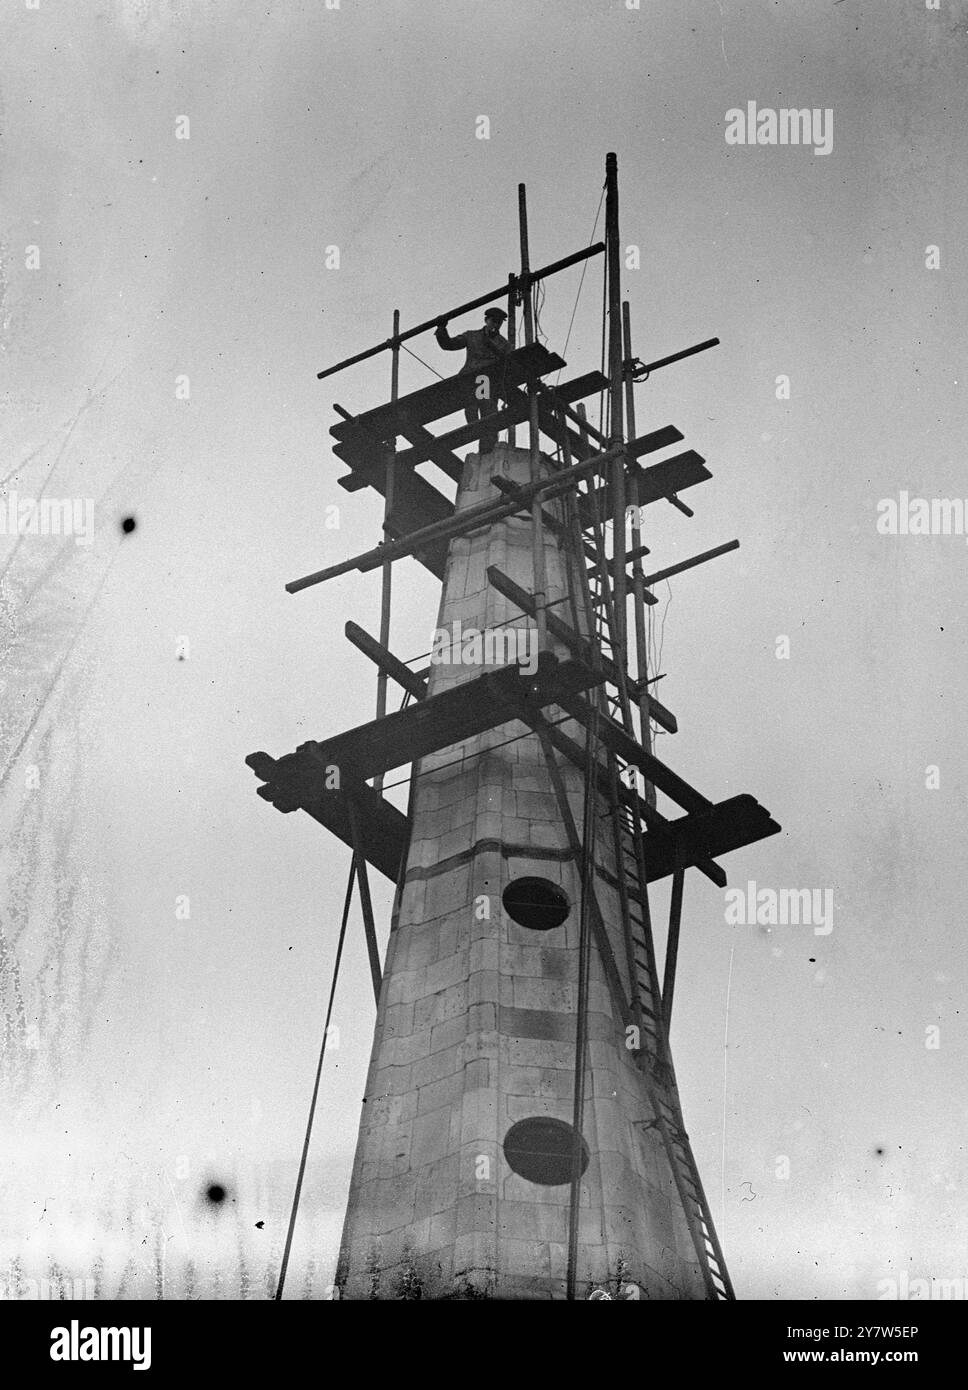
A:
(164, 1051)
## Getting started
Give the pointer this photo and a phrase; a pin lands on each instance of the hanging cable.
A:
(571, 321)
(538, 303)
(458, 762)
(319, 1068)
(596, 622)
(423, 363)
(602, 424)
(515, 617)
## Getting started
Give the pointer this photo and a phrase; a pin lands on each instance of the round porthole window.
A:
(542, 1149)
(535, 903)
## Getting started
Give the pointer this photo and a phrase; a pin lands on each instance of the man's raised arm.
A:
(445, 341)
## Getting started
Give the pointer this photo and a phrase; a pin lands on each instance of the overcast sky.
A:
(147, 1054)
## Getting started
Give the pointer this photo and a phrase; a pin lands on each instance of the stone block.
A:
(517, 832)
(444, 1062)
(489, 868)
(392, 1110)
(484, 955)
(538, 1024)
(413, 899)
(601, 1055)
(539, 1052)
(478, 1168)
(457, 573)
(515, 958)
(533, 1221)
(443, 1228)
(394, 1150)
(448, 1034)
(488, 825)
(537, 806)
(611, 1124)
(613, 1168)
(437, 1186)
(474, 1259)
(605, 1027)
(438, 1008)
(591, 1233)
(478, 1074)
(476, 1214)
(403, 986)
(430, 1136)
(660, 1218)
(483, 928)
(449, 969)
(552, 995)
(448, 892)
(435, 824)
(621, 1228)
(390, 1081)
(600, 998)
(481, 1018)
(558, 964)
(529, 779)
(603, 1081)
(415, 947)
(435, 1270)
(400, 1051)
(489, 799)
(422, 853)
(479, 1119)
(391, 1200)
(398, 1020)
(447, 1091)
(483, 987)
(483, 1043)
(455, 933)
(549, 835)
(514, 1188)
(523, 1107)
(548, 1082)
(525, 1257)
(456, 839)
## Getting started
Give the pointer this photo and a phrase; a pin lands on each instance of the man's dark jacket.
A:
(483, 352)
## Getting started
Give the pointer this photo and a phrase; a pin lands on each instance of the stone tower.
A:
(461, 1180)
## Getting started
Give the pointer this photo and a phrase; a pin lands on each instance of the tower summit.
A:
(522, 1135)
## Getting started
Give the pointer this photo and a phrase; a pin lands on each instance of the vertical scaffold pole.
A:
(537, 506)
(385, 591)
(638, 573)
(511, 337)
(616, 432)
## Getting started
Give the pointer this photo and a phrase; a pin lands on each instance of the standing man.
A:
(486, 348)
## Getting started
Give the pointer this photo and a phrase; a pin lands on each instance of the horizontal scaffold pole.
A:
(385, 661)
(576, 644)
(499, 293)
(461, 522)
(690, 563)
(647, 367)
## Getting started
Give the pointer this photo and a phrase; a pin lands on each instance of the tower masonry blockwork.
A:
(476, 1026)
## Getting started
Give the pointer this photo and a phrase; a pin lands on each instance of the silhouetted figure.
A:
(486, 348)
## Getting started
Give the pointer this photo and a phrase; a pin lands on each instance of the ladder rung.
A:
(648, 1012)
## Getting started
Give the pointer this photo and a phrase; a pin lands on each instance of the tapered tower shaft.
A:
(461, 1180)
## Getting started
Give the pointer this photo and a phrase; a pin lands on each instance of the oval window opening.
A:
(542, 1149)
(535, 903)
